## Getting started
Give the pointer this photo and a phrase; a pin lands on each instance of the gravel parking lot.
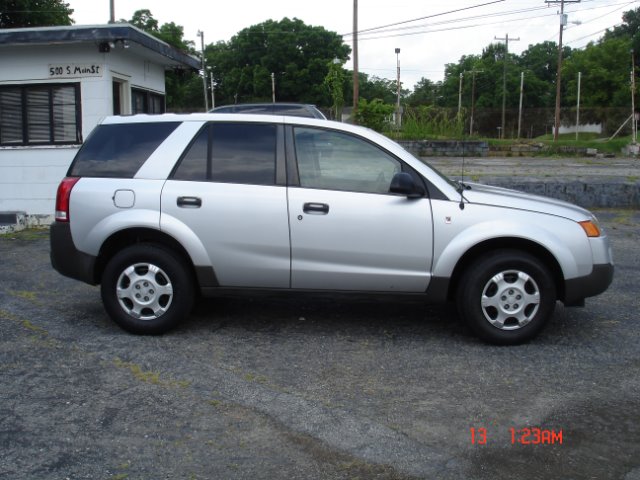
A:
(313, 386)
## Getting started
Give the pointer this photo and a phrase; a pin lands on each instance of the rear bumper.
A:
(577, 289)
(68, 260)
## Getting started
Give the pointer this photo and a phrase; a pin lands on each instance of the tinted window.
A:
(337, 161)
(231, 153)
(119, 150)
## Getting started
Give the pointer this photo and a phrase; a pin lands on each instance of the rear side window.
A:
(118, 151)
(231, 153)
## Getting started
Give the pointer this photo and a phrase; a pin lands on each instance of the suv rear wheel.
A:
(506, 297)
(147, 289)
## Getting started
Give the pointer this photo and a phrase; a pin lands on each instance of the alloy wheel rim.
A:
(144, 291)
(510, 300)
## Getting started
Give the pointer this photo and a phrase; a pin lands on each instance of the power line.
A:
(462, 19)
(428, 16)
(475, 25)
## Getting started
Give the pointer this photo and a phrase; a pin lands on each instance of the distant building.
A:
(56, 83)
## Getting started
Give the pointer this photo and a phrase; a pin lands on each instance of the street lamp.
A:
(398, 121)
(204, 71)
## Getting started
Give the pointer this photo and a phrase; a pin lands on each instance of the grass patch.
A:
(27, 234)
(24, 294)
(567, 145)
(147, 376)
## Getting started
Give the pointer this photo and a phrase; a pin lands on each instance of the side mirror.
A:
(403, 184)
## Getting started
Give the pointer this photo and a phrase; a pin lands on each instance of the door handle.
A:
(317, 208)
(189, 202)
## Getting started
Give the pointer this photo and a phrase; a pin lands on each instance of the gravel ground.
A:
(313, 386)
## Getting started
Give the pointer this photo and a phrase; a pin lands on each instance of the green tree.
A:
(605, 68)
(540, 64)
(375, 87)
(374, 114)
(335, 83)
(448, 92)
(425, 92)
(143, 19)
(34, 13)
(630, 29)
(297, 54)
(183, 88)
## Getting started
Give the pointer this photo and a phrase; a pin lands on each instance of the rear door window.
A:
(231, 153)
(119, 150)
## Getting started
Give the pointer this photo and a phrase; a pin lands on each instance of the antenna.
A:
(461, 188)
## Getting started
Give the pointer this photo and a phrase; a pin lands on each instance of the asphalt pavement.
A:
(313, 387)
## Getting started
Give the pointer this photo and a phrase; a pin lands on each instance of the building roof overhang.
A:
(99, 35)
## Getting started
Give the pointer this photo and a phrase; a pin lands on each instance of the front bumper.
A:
(577, 289)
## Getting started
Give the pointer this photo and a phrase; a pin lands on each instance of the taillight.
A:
(63, 196)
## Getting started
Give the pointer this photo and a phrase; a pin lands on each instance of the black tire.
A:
(506, 297)
(156, 289)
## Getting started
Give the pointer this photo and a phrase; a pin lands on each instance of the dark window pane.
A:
(119, 150)
(244, 153)
(194, 163)
(64, 95)
(139, 101)
(10, 116)
(240, 153)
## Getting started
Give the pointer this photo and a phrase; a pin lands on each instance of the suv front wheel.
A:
(506, 297)
(146, 289)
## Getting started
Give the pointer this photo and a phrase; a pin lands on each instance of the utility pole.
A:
(204, 71)
(398, 117)
(460, 94)
(578, 106)
(273, 87)
(520, 108)
(504, 76)
(112, 11)
(633, 99)
(473, 98)
(563, 22)
(356, 80)
(213, 92)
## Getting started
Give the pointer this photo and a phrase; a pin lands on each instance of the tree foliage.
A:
(297, 54)
(183, 88)
(34, 13)
(374, 114)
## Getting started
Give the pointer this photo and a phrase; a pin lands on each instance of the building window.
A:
(40, 114)
(144, 101)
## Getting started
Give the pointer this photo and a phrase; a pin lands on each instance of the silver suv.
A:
(157, 208)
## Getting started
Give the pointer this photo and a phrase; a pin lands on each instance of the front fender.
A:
(564, 239)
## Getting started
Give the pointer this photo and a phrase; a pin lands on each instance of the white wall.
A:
(29, 176)
(583, 128)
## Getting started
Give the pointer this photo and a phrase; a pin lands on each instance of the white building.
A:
(56, 83)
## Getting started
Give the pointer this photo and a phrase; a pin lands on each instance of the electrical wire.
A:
(425, 17)
(475, 25)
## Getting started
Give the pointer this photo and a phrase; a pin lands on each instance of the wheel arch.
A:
(132, 236)
(511, 243)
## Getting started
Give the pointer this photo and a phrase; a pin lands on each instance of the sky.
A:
(428, 33)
